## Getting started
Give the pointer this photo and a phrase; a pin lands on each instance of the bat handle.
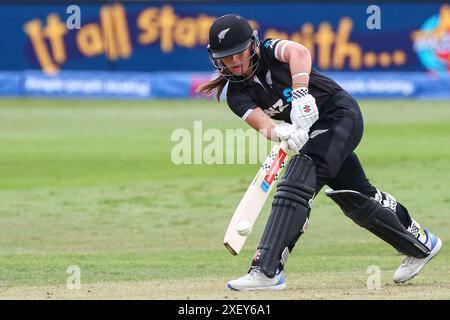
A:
(284, 143)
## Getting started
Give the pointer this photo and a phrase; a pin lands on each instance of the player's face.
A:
(238, 63)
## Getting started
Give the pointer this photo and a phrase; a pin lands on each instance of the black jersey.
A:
(270, 87)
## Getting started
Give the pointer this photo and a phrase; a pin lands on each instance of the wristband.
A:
(299, 74)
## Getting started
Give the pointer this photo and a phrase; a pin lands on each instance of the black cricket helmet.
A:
(229, 35)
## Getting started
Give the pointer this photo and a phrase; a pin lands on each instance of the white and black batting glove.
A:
(304, 110)
(296, 137)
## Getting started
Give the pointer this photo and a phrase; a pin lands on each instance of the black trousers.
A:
(333, 138)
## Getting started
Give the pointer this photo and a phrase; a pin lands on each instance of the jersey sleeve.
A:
(269, 47)
(240, 103)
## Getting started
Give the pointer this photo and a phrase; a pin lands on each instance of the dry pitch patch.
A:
(337, 287)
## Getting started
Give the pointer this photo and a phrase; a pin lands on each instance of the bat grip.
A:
(284, 143)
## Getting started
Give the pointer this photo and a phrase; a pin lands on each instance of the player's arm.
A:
(299, 59)
(304, 109)
(260, 121)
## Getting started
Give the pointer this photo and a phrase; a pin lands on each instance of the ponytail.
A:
(216, 85)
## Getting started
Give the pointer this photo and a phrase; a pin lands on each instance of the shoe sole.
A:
(272, 288)
(436, 250)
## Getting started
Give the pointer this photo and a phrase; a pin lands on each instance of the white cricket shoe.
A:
(256, 280)
(411, 266)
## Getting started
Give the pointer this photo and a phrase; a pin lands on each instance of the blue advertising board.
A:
(135, 38)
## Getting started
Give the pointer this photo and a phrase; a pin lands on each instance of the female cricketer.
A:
(323, 124)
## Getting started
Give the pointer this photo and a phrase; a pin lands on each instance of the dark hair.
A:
(214, 86)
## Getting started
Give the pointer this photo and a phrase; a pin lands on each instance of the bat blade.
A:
(255, 197)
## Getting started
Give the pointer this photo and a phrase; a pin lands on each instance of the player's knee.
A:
(298, 184)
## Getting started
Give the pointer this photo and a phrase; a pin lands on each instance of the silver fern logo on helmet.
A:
(222, 34)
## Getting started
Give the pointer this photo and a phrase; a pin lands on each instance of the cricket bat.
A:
(255, 197)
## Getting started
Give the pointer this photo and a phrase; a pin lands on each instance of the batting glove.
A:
(296, 137)
(304, 110)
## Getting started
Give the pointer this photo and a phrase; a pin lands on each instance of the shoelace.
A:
(254, 272)
(408, 260)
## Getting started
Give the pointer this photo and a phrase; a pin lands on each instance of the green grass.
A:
(91, 183)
